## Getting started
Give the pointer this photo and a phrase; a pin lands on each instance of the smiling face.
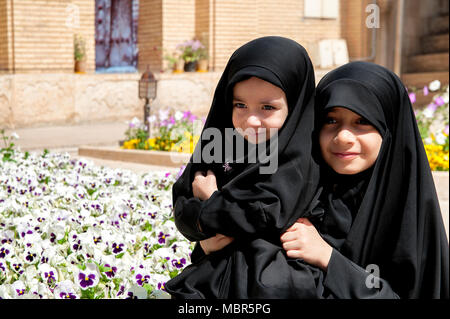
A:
(259, 109)
(348, 142)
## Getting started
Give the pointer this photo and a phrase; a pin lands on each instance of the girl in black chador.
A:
(381, 209)
(266, 94)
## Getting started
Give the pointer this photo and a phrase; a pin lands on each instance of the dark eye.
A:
(239, 105)
(329, 120)
(363, 121)
(268, 107)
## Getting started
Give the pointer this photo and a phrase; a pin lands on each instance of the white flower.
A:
(15, 135)
(65, 290)
(163, 114)
(435, 85)
(428, 113)
(48, 273)
(178, 115)
(441, 139)
(136, 292)
(19, 288)
(62, 229)
(89, 277)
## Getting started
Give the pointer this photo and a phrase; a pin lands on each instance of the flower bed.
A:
(433, 122)
(171, 131)
(69, 229)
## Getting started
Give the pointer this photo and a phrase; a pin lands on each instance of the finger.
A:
(294, 253)
(199, 173)
(210, 172)
(293, 227)
(226, 240)
(306, 222)
(288, 237)
(291, 245)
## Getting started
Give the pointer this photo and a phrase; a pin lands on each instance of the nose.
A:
(253, 121)
(344, 136)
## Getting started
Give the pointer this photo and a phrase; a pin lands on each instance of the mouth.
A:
(345, 155)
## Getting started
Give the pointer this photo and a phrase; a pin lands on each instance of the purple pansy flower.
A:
(50, 276)
(86, 280)
(141, 279)
(178, 263)
(4, 252)
(161, 286)
(162, 237)
(117, 248)
(110, 273)
(67, 295)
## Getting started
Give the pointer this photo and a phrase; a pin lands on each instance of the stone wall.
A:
(29, 100)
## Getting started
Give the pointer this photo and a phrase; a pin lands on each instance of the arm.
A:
(210, 245)
(211, 211)
(347, 280)
(343, 278)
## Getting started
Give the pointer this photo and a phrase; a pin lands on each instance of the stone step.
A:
(428, 62)
(435, 43)
(437, 25)
(161, 158)
(419, 80)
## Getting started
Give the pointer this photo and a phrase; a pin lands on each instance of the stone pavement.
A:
(69, 138)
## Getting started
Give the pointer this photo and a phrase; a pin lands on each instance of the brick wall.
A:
(86, 28)
(42, 33)
(43, 29)
(237, 22)
(5, 36)
(353, 17)
(150, 34)
(178, 22)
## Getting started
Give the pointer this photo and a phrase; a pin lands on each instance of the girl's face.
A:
(258, 106)
(348, 142)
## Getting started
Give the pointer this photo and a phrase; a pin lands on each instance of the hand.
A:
(203, 186)
(215, 243)
(302, 240)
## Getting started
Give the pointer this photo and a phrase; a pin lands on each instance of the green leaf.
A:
(173, 273)
(120, 255)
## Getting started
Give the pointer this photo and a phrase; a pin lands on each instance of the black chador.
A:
(387, 219)
(254, 207)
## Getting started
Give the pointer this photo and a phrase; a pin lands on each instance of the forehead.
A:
(256, 86)
(342, 111)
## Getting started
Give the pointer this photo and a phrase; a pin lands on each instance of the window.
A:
(322, 9)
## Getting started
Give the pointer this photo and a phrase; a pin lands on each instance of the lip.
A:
(345, 155)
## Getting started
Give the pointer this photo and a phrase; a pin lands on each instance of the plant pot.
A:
(80, 66)
(178, 67)
(190, 66)
(202, 66)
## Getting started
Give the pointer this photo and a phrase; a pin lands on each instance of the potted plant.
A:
(202, 60)
(176, 62)
(79, 46)
(190, 51)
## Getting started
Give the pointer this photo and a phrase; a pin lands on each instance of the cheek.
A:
(276, 121)
(324, 140)
(372, 145)
(235, 119)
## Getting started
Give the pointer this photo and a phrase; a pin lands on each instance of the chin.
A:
(347, 170)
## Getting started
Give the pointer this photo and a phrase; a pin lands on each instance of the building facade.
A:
(38, 85)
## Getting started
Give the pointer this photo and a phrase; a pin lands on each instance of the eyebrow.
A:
(238, 98)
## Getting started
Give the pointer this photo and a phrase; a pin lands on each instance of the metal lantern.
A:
(147, 91)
